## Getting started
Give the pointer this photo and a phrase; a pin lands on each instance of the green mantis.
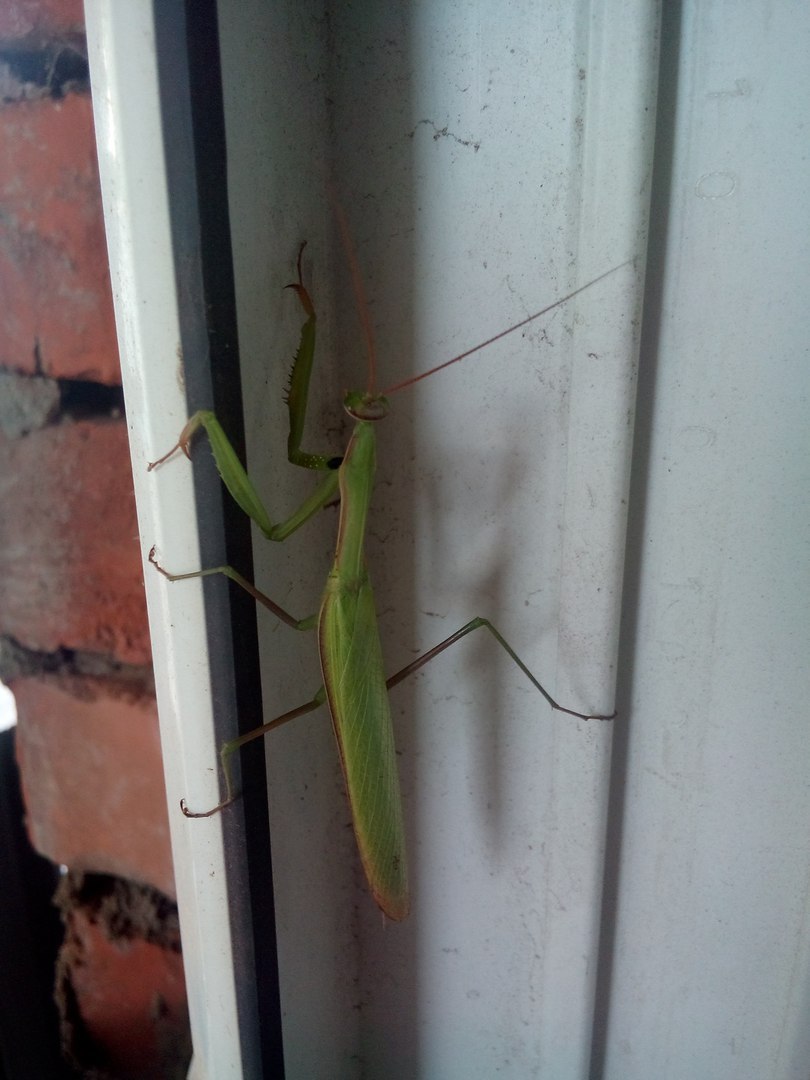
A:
(355, 688)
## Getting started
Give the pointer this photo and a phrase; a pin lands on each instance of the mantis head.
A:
(363, 405)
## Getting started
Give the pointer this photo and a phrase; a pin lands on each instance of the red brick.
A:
(70, 569)
(39, 18)
(92, 777)
(131, 998)
(57, 316)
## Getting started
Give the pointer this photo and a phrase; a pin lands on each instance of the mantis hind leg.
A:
(229, 748)
(477, 624)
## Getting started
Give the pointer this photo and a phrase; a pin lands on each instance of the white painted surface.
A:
(712, 968)
(130, 146)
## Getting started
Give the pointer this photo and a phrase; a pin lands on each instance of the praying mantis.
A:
(355, 687)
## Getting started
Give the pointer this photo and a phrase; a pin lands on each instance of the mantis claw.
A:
(153, 560)
(206, 813)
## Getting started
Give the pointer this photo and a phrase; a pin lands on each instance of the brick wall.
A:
(74, 645)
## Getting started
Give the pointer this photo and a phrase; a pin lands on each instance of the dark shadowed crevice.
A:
(18, 661)
(29, 71)
(32, 402)
(83, 400)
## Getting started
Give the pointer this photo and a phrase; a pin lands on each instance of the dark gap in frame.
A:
(669, 39)
(187, 43)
